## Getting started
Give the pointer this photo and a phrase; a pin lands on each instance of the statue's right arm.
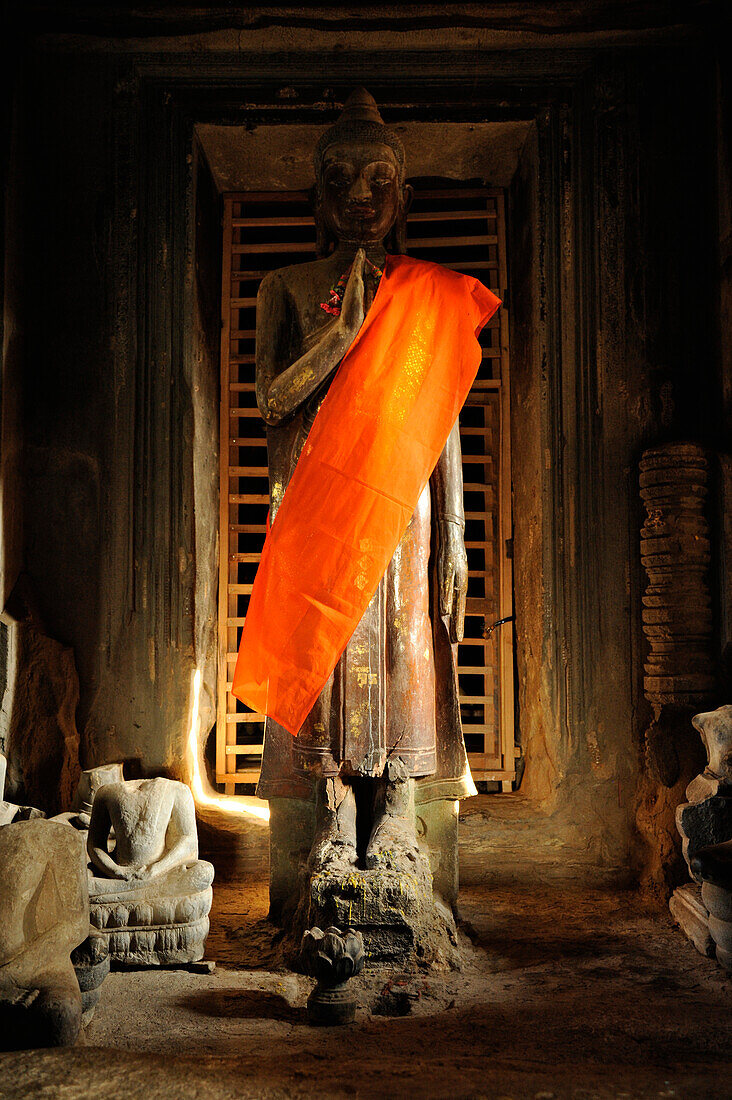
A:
(96, 844)
(281, 387)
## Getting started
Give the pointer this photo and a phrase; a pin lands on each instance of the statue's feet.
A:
(393, 843)
(334, 846)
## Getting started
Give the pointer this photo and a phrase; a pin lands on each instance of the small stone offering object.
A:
(333, 957)
(150, 894)
(44, 916)
(705, 824)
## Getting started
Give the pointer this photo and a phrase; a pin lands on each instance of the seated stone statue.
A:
(149, 892)
(44, 916)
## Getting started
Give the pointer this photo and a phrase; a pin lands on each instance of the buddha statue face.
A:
(360, 195)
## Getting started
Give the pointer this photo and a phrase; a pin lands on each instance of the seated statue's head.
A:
(360, 195)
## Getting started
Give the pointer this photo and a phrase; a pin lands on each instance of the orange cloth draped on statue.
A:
(375, 441)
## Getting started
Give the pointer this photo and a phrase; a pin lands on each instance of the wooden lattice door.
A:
(462, 228)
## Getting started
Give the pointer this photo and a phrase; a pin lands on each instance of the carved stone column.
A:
(677, 613)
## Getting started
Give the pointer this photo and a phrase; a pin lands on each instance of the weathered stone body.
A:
(44, 916)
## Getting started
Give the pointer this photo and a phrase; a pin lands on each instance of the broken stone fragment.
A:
(91, 965)
(43, 917)
(89, 783)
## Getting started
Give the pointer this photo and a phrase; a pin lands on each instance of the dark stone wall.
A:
(607, 355)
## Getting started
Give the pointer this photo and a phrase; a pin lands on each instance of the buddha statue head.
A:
(360, 196)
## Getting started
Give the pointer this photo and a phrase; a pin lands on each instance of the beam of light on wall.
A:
(203, 794)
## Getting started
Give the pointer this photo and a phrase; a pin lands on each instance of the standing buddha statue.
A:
(378, 722)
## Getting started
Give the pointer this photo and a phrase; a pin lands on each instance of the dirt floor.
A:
(566, 991)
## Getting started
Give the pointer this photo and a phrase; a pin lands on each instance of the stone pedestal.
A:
(400, 914)
(385, 906)
(162, 922)
(291, 832)
(396, 912)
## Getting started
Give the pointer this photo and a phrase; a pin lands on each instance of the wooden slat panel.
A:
(451, 242)
(245, 775)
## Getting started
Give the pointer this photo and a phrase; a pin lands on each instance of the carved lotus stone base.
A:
(394, 910)
(689, 911)
(161, 922)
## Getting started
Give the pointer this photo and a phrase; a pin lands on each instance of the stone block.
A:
(291, 832)
(437, 830)
(385, 906)
(689, 911)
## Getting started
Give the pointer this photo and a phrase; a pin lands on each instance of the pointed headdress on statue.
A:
(360, 121)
